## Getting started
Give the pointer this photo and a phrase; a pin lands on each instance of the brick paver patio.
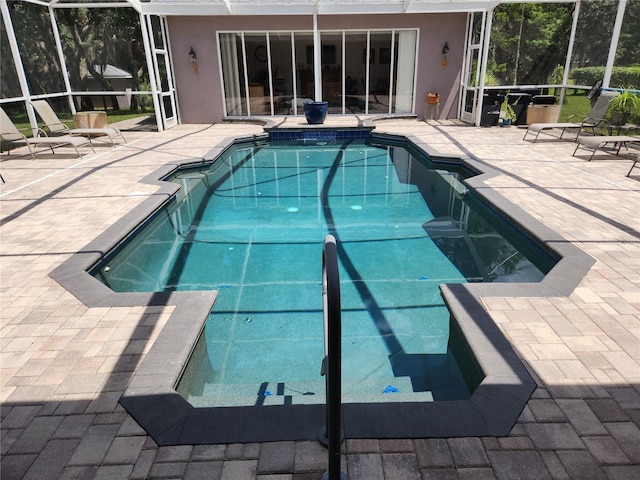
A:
(64, 365)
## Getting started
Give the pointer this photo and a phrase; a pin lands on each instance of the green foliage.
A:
(629, 76)
(491, 79)
(626, 101)
(90, 37)
(145, 101)
(528, 41)
(557, 75)
(628, 51)
(94, 37)
(593, 35)
(509, 112)
(32, 26)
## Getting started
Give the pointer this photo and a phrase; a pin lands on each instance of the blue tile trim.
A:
(319, 134)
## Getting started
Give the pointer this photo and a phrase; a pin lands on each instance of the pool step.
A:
(373, 390)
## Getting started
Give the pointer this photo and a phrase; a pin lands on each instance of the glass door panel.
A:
(283, 74)
(157, 32)
(404, 71)
(355, 72)
(233, 77)
(380, 72)
(258, 74)
(304, 66)
(470, 84)
(331, 55)
(471, 75)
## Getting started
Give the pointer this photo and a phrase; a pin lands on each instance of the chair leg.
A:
(576, 150)
(33, 157)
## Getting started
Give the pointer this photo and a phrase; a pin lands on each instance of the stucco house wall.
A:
(200, 96)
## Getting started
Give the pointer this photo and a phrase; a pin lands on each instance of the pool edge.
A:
(153, 402)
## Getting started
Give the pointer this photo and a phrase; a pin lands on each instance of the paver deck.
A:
(64, 365)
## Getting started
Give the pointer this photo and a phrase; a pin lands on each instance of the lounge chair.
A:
(11, 133)
(56, 127)
(600, 141)
(595, 118)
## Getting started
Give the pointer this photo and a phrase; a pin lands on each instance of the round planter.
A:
(316, 112)
(619, 118)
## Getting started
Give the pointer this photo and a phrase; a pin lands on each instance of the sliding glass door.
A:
(362, 72)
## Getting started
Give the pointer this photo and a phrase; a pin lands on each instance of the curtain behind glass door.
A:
(233, 74)
(404, 71)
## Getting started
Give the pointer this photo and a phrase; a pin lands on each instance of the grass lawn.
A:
(575, 107)
(113, 116)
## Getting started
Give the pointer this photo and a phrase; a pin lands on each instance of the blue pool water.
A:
(251, 226)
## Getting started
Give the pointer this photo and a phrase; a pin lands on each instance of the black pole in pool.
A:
(333, 355)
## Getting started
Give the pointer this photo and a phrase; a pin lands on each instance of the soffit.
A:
(308, 7)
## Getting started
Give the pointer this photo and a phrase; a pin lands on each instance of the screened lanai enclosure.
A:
(197, 61)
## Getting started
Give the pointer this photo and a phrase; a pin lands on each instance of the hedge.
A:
(621, 77)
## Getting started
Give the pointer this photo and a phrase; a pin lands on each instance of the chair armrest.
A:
(7, 135)
(39, 132)
(593, 120)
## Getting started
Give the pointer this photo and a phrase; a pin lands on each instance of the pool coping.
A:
(153, 402)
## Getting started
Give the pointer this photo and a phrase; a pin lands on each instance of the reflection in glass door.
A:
(379, 72)
(258, 74)
(282, 62)
(356, 72)
(304, 65)
(331, 60)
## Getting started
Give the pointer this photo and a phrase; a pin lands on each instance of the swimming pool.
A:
(404, 225)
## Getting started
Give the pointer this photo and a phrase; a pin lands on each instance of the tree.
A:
(628, 52)
(528, 41)
(34, 35)
(90, 37)
(99, 37)
(593, 34)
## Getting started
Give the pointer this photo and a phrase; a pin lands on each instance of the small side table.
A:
(621, 128)
(430, 108)
(90, 120)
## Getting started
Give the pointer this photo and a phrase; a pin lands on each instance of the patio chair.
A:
(595, 118)
(601, 141)
(56, 127)
(11, 133)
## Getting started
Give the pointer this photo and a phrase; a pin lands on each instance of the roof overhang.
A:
(309, 7)
(289, 7)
